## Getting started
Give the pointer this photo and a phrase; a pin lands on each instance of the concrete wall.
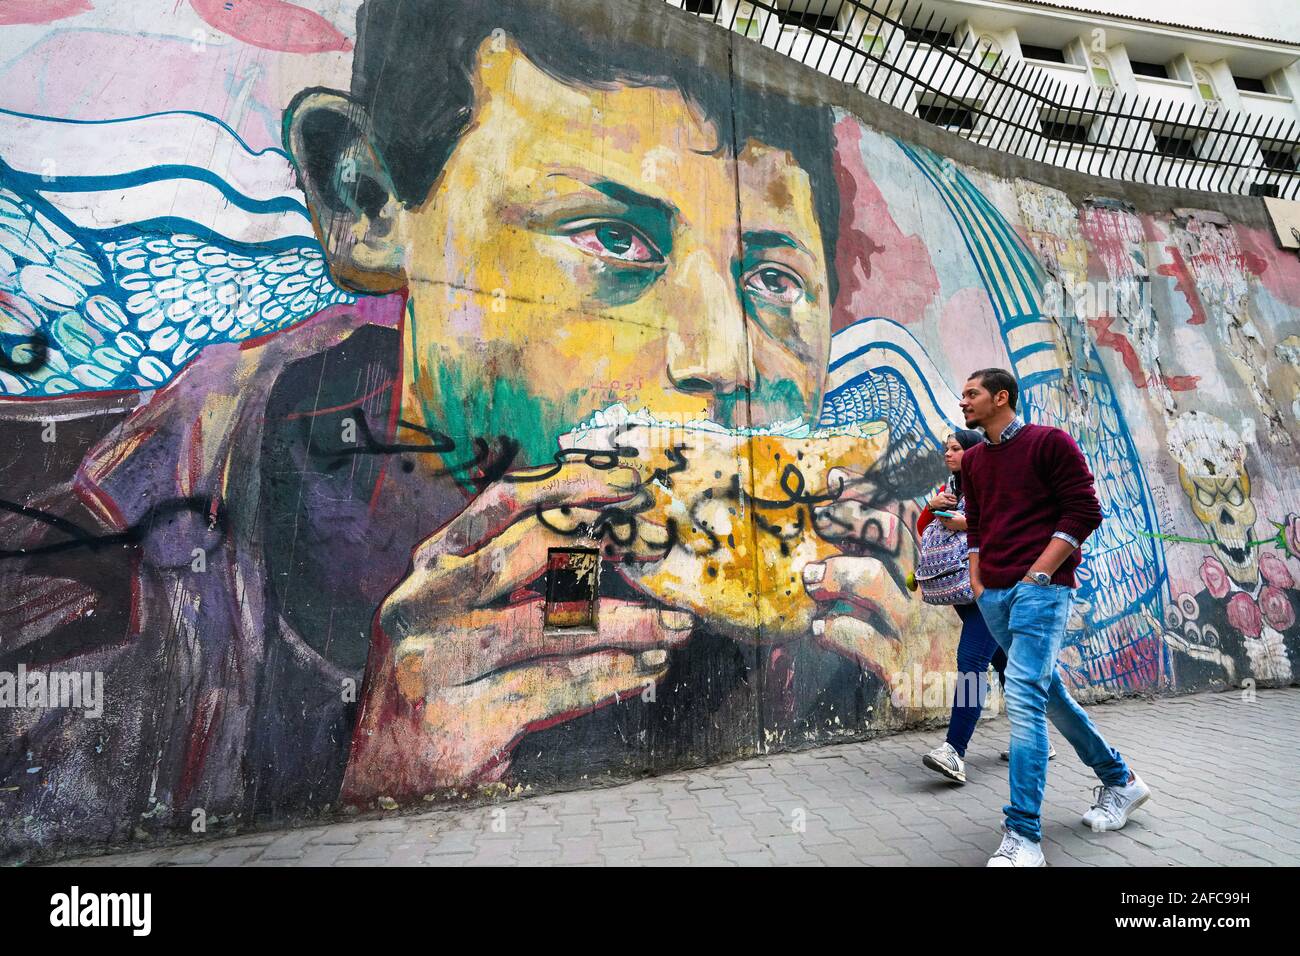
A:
(299, 324)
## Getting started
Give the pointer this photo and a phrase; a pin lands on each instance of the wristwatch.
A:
(1039, 577)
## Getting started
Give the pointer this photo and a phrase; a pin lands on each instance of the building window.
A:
(820, 22)
(1283, 160)
(1149, 69)
(989, 52)
(572, 587)
(1249, 84)
(1204, 85)
(1065, 132)
(949, 113)
(698, 6)
(872, 44)
(1049, 54)
(1267, 190)
(915, 34)
(1176, 147)
(1101, 72)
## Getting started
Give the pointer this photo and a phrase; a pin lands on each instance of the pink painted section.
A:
(248, 88)
(1180, 272)
(1107, 338)
(881, 271)
(1112, 235)
(41, 11)
(969, 332)
(1278, 270)
(273, 25)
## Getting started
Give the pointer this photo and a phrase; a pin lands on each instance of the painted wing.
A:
(128, 245)
(879, 372)
(131, 312)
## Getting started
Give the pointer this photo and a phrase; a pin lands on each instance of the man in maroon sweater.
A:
(1029, 506)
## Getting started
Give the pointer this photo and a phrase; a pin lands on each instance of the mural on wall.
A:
(483, 395)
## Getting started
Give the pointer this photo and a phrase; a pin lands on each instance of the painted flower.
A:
(1215, 577)
(1243, 614)
(1277, 608)
(1291, 534)
(1275, 571)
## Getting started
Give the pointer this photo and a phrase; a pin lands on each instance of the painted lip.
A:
(651, 657)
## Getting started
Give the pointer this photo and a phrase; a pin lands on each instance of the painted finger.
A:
(524, 493)
(850, 523)
(846, 485)
(478, 725)
(516, 558)
(482, 642)
(860, 641)
(463, 735)
(864, 583)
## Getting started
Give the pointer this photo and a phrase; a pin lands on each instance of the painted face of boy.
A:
(582, 246)
(575, 238)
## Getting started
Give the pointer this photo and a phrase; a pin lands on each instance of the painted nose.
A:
(708, 347)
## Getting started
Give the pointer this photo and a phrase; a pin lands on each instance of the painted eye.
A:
(614, 240)
(776, 283)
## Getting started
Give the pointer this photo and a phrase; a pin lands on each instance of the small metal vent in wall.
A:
(572, 587)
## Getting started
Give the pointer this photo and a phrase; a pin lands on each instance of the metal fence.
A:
(908, 58)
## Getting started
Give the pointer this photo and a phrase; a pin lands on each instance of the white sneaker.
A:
(1114, 804)
(945, 760)
(1051, 753)
(1017, 850)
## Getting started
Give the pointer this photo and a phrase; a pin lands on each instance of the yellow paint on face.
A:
(584, 245)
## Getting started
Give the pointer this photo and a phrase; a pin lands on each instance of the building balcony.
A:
(1180, 94)
(1279, 110)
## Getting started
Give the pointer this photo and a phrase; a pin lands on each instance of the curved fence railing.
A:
(912, 60)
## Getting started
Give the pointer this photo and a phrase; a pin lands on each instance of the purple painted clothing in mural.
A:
(236, 545)
(227, 591)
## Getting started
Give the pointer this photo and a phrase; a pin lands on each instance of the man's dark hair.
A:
(998, 380)
(414, 61)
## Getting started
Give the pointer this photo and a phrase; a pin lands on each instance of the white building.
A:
(1195, 93)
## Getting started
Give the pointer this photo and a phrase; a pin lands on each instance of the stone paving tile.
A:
(1223, 774)
(579, 850)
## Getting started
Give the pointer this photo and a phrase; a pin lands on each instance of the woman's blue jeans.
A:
(976, 649)
(1029, 620)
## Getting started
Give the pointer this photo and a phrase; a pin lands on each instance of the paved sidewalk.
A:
(1225, 774)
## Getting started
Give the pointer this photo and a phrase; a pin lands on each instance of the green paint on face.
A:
(615, 286)
(775, 401)
(504, 407)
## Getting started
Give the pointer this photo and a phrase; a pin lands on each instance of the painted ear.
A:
(354, 206)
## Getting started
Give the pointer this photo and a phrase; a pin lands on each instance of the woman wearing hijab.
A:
(977, 647)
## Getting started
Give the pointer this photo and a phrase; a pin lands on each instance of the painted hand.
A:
(461, 666)
(866, 611)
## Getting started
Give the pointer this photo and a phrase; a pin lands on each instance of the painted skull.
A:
(1212, 469)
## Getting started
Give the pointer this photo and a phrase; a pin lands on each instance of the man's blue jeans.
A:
(1029, 620)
